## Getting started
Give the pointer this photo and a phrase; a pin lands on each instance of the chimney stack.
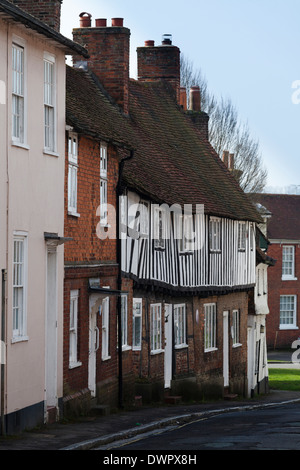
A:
(183, 98)
(160, 63)
(47, 11)
(225, 158)
(195, 99)
(108, 48)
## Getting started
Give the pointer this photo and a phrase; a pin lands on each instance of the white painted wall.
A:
(35, 206)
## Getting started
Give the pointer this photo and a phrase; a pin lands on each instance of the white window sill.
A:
(73, 214)
(126, 348)
(73, 365)
(136, 348)
(19, 339)
(237, 345)
(157, 351)
(49, 152)
(181, 346)
(210, 349)
(288, 327)
(289, 278)
(20, 145)
(106, 358)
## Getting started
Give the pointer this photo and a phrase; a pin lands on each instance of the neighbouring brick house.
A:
(173, 313)
(281, 213)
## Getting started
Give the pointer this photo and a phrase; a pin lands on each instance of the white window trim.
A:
(289, 277)
(22, 143)
(235, 331)
(103, 160)
(124, 325)
(215, 229)
(182, 326)
(159, 231)
(105, 329)
(51, 150)
(242, 236)
(72, 164)
(291, 326)
(134, 316)
(21, 236)
(74, 296)
(159, 349)
(186, 233)
(211, 347)
(103, 185)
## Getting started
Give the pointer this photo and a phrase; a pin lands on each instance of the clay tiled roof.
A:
(90, 111)
(284, 223)
(172, 163)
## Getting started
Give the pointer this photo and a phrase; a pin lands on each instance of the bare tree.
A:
(227, 132)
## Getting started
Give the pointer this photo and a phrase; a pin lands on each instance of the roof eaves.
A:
(9, 10)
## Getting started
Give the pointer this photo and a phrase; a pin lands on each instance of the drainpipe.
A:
(119, 259)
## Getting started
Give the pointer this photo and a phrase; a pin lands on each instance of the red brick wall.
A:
(47, 11)
(109, 58)
(86, 245)
(278, 338)
(160, 62)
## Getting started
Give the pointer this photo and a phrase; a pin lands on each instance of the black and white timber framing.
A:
(221, 256)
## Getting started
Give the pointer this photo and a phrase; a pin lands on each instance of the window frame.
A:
(124, 322)
(73, 330)
(215, 231)
(19, 95)
(288, 326)
(20, 333)
(236, 316)
(284, 276)
(50, 105)
(103, 184)
(210, 327)
(156, 328)
(186, 232)
(137, 346)
(242, 236)
(105, 312)
(179, 315)
(159, 228)
(72, 174)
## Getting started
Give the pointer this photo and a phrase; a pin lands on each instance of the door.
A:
(93, 342)
(51, 328)
(226, 348)
(168, 345)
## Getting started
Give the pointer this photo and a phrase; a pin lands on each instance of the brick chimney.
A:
(198, 117)
(160, 63)
(47, 11)
(108, 48)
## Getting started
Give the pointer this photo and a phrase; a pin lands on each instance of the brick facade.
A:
(47, 11)
(277, 337)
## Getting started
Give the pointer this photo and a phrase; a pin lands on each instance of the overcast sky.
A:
(248, 51)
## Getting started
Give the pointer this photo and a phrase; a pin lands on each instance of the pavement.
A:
(94, 431)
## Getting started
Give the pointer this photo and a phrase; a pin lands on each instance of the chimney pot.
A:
(195, 99)
(85, 20)
(101, 22)
(149, 43)
(117, 21)
(231, 161)
(167, 39)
